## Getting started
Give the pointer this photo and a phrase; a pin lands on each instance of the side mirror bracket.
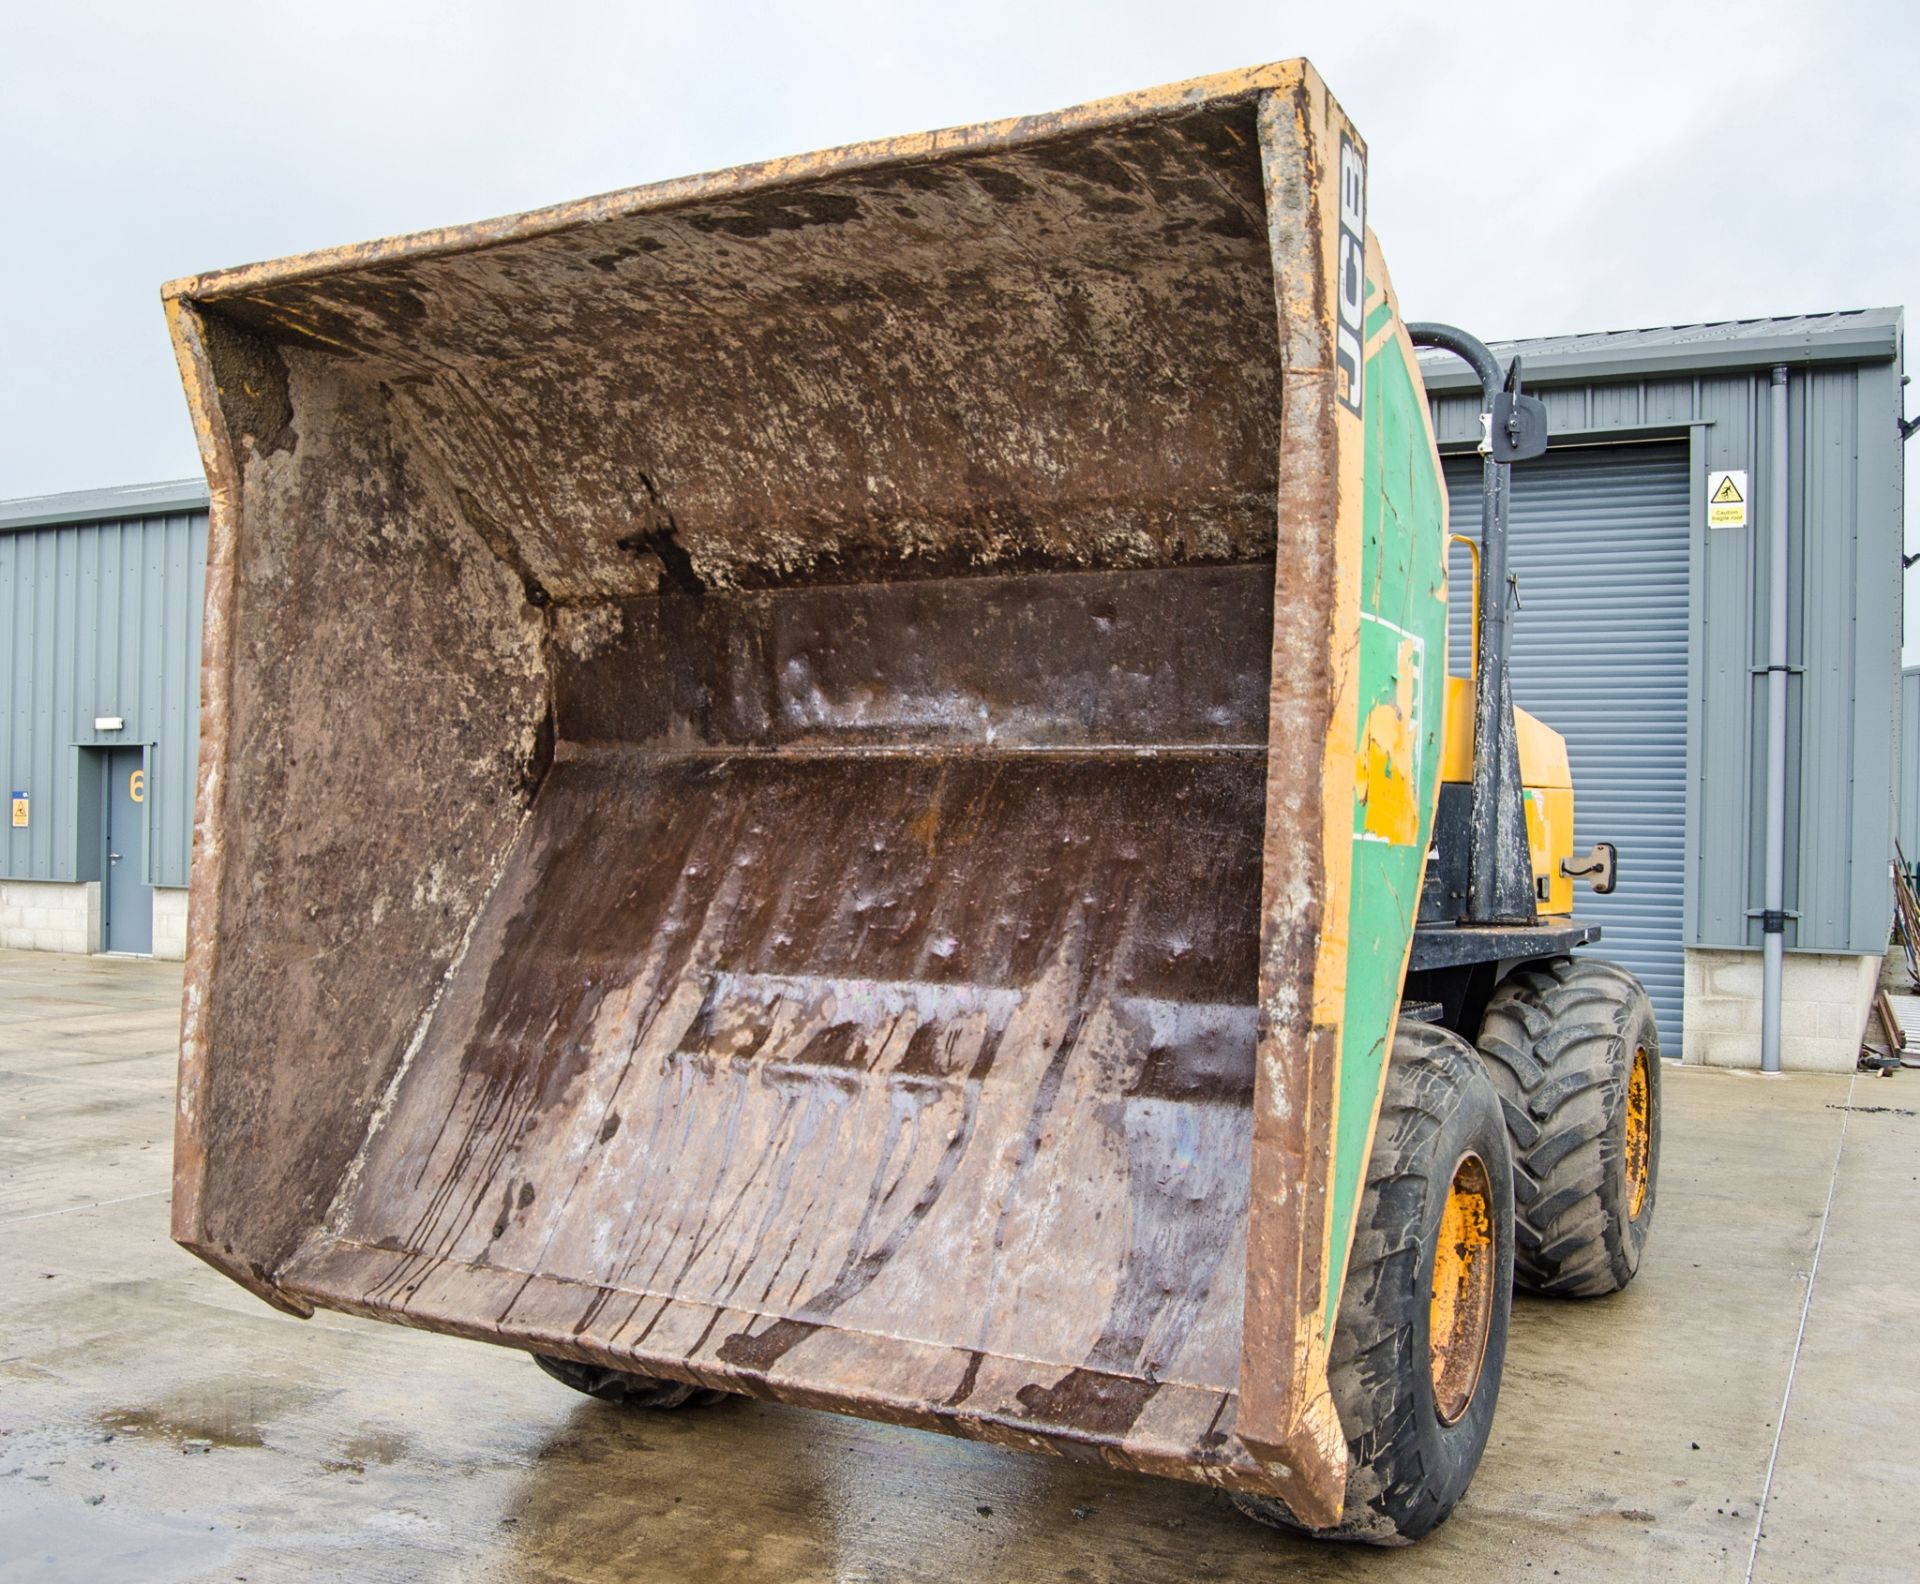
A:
(1599, 868)
(1517, 431)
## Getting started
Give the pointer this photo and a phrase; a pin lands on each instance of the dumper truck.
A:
(838, 781)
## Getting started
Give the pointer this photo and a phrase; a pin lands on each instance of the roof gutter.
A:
(104, 505)
(1873, 342)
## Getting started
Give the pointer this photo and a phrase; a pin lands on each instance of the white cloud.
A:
(1535, 170)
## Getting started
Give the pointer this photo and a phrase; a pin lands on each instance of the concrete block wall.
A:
(54, 915)
(170, 922)
(48, 915)
(1825, 999)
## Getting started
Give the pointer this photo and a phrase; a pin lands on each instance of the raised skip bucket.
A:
(813, 778)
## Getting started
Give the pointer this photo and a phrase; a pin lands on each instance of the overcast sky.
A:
(1535, 169)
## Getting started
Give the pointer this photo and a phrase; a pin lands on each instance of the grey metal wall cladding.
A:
(1845, 530)
(1909, 789)
(99, 619)
(1599, 543)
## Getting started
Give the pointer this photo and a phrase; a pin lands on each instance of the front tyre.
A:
(1422, 1326)
(1573, 1049)
(627, 1391)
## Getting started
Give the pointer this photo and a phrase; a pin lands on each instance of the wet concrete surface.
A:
(158, 1424)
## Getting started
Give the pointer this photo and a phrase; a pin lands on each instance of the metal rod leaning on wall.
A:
(1773, 918)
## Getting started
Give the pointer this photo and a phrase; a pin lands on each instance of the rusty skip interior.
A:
(739, 785)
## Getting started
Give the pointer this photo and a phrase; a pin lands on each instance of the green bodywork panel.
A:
(1402, 681)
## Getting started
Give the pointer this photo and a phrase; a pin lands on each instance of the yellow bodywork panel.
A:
(1392, 812)
(1543, 773)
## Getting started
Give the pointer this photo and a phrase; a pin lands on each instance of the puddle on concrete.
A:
(813, 1496)
(375, 1447)
(217, 1414)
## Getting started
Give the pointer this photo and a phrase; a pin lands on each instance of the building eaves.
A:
(1860, 335)
(104, 505)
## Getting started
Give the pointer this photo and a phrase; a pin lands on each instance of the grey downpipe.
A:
(1497, 893)
(1773, 917)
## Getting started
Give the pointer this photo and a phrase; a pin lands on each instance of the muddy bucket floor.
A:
(157, 1424)
(922, 1082)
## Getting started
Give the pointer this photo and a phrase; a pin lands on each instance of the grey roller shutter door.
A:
(1599, 650)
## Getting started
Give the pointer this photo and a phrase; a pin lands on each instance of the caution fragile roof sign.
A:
(1727, 498)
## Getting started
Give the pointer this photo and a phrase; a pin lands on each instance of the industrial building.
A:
(1641, 634)
(100, 596)
(1638, 632)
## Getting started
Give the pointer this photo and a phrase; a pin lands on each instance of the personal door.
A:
(127, 905)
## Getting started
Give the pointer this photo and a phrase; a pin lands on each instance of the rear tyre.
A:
(1572, 1048)
(628, 1391)
(1422, 1329)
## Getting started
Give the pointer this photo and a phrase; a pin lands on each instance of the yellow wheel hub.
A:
(1639, 1132)
(1461, 1313)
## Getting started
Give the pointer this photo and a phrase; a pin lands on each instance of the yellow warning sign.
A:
(1727, 498)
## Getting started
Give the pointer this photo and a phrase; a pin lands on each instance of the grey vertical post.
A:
(1773, 918)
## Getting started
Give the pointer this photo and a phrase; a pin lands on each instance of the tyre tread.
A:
(627, 1390)
(1552, 1038)
(1394, 1495)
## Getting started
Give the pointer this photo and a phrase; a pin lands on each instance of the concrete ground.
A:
(156, 1423)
